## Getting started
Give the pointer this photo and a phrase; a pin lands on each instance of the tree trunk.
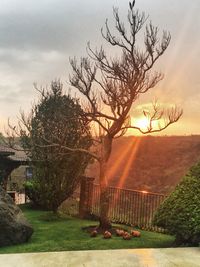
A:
(104, 194)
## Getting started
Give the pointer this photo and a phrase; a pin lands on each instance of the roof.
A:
(6, 150)
(16, 154)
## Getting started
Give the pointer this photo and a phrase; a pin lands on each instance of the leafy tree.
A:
(56, 173)
(180, 212)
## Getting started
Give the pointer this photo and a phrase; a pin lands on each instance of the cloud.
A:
(49, 25)
(20, 69)
(38, 37)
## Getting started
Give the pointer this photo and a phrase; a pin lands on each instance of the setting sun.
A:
(142, 123)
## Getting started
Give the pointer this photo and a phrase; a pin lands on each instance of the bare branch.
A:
(158, 115)
(73, 150)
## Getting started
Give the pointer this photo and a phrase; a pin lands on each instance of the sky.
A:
(37, 38)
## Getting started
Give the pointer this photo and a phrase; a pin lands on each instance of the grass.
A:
(66, 234)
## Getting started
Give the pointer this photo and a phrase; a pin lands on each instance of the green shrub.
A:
(40, 198)
(180, 212)
(32, 189)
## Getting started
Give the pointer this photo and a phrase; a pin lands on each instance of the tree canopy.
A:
(56, 174)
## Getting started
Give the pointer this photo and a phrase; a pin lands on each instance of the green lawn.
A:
(66, 234)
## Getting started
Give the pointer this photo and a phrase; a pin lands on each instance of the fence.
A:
(130, 207)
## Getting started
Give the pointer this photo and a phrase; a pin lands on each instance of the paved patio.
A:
(169, 257)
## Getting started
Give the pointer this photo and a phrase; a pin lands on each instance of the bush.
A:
(180, 212)
(33, 191)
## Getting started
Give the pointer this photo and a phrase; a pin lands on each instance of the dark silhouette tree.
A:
(111, 85)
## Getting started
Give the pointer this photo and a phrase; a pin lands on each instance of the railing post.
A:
(86, 194)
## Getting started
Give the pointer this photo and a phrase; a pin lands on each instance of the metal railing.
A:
(129, 207)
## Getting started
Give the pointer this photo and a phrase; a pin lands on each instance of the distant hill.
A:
(151, 163)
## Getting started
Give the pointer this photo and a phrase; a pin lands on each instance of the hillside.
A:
(150, 163)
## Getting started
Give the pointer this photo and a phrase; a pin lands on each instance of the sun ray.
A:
(181, 36)
(122, 155)
(133, 148)
(114, 168)
(129, 164)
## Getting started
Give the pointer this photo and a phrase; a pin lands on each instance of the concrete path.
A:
(169, 257)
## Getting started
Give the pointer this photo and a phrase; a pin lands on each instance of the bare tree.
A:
(111, 85)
